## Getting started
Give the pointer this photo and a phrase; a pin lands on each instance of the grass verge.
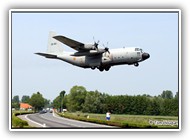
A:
(17, 122)
(124, 121)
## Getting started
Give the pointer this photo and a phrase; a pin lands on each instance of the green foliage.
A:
(15, 102)
(177, 96)
(47, 103)
(76, 98)
(114, 122)
(60, 101)
(56, 102)
(25, 99)
(95, 102)
(37, 101)
(62, 93)
(167, 94)
(15, 99)
(17, 122)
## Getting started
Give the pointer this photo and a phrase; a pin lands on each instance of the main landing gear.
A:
(101, 68)
(104, 68)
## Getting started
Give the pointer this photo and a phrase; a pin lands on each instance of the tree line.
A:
(37, 101)
(79, 99)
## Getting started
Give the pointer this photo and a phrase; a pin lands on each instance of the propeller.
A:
(106, 48)
(96, 44)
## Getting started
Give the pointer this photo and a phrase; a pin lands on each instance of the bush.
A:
(17, 122)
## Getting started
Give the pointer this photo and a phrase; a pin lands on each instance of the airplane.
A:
(90, 55)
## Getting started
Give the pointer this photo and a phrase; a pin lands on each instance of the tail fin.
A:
(54, 46)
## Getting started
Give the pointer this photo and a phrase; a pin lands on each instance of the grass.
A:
(126, 121)
(17, 122)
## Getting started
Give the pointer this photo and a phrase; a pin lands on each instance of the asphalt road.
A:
(51, 120)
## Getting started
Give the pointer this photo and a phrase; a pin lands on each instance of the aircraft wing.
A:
(70, 42)
(47, 55)
(89, 53)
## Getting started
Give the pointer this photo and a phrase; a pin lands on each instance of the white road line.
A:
(81, 122)
(64, 119)
(26, 116)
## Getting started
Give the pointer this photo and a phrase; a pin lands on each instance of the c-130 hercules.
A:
(90, 55)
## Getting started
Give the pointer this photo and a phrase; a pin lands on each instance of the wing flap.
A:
(70, 42)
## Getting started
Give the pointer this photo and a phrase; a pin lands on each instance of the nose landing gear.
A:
(136, 64)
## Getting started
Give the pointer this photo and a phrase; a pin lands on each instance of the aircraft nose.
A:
(145, 56)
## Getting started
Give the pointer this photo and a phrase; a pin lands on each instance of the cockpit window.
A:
(136, 49)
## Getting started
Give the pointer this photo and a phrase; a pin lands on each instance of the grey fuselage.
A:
(107, 59)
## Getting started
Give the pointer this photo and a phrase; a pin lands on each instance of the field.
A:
(127, 121)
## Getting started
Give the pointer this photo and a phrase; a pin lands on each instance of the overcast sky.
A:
(155, 33)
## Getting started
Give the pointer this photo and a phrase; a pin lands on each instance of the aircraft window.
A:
(53, 43)
(136, 49)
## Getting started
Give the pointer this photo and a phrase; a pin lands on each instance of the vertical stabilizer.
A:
(54, 46)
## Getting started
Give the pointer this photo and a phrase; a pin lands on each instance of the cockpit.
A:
(138, 49)
(144, 55)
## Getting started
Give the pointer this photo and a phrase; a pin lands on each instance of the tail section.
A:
(54, 46)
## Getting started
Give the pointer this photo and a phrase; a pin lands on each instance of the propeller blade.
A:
(96, 43)
(107, 49)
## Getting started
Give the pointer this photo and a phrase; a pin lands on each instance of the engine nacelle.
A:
(89, 47)
(106, 60)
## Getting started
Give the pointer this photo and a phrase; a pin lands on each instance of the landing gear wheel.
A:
(101, 68)
(136, 64)
(93, 68)
(107, 68)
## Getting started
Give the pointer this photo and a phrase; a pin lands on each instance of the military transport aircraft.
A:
(90, 55)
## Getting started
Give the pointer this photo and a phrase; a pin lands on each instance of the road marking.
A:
(80, 123)
(64, 119)
(26, 116)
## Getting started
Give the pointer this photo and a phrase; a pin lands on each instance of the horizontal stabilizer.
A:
(47, 55)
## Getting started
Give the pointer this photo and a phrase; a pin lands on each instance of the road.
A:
(52, 120)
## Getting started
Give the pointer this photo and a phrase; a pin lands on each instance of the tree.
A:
(15, 102)
(153, 107)
(25, 99)
(47, 103)
(76, 98)
(177, 95)
(60, 101)
(167, 94)
(56, 102)
(37, 101)
(93, 102)
(61, 94)
(15, 99)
